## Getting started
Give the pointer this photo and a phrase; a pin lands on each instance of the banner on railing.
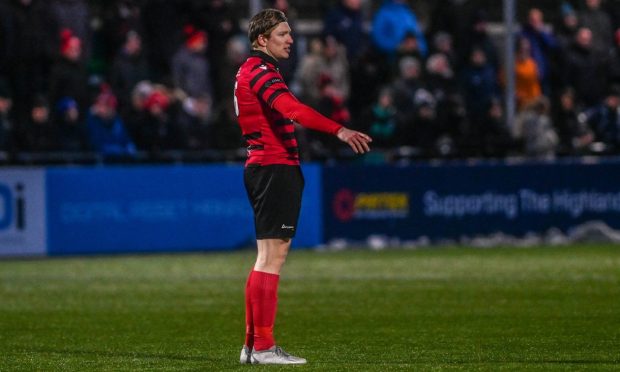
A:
(455, 201)
(160, 209)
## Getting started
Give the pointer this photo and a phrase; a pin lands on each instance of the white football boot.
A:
(246, 356)
(275, 355)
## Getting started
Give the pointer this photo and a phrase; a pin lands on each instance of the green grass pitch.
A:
(358, 310)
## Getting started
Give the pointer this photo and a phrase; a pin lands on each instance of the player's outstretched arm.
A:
(291, 108)
(357, 140)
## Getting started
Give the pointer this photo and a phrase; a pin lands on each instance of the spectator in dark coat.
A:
(190, 66)
(614, 60)
(442, 84)
(221, 24)
(42, 135)
(120, 17)
(154, 133)
(477, 37)
(604, 119)
(129, 68)
(68, 77)
(6, 31)
(71, 131)
(6, 103)
(345, 22)
(163, 34)
(30, 51)
(479, 85)
(586, 70)
(574, 134)
(566, 27)
(599, 22)
(415, 106)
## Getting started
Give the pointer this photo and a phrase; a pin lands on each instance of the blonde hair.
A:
(263, 23)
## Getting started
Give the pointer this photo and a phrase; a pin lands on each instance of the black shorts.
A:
(274, 192)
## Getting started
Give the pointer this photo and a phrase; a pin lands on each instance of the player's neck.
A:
(266, 51)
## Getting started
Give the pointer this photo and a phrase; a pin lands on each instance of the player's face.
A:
(279, 42)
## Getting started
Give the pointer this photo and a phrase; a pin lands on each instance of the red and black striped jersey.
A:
(266, 111)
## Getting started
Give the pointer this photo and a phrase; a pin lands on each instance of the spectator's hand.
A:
(357, 140)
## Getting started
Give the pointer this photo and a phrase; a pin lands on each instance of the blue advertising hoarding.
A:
(455, 201)
(22, 212)
(160, 209)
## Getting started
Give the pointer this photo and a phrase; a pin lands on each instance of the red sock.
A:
(249, 322)
(264, 301)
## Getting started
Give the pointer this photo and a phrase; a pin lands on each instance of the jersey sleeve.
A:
(291, 108)
(270, 88)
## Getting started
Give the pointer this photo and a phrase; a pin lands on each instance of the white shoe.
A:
(275, 355)
(246, 355)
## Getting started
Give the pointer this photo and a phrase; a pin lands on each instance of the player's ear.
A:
(262, 40)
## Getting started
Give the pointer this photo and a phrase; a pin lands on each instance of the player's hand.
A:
(357, 140)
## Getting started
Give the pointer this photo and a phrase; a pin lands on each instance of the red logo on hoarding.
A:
(344, 205)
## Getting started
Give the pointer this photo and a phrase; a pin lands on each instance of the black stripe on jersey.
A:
(258, 76)
(287, 136)
(252, 136)
(282, 122)
(275, 95)
(267, 84)
(292, 150)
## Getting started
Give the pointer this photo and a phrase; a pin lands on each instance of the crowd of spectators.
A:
(130, 79)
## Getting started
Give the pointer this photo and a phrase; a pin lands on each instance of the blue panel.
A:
(452, 201)
(310, 232)
(158, 208)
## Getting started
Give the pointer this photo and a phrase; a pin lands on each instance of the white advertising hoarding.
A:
(22, 212)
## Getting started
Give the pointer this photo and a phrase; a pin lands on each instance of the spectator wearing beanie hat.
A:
(70, 128)
(68, 77)
(190, 67)
(106, 129)
(153, 132)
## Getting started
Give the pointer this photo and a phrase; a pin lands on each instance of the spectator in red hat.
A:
(68, 77)
(190, 67)
(76, 16)
(154, 130)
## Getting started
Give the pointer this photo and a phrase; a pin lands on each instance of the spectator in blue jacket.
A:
(542, 43)
(393, 20)
(106, 130)
(67, 120)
